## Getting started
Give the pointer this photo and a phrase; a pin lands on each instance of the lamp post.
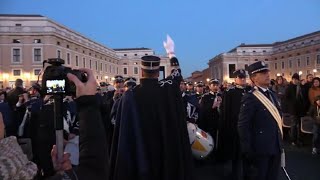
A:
(27, 77)
(5, 77)
(300, 73)
(106, 78)
(314, 72)
(278, 74)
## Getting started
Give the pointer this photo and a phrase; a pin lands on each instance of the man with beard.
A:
(151, 139)
(229, 145)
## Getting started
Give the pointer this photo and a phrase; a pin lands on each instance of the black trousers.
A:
(262, 167)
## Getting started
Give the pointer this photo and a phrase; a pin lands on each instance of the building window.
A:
(308, 61)
(67, 46)
(36, 72)
(58, 43)
(290, 63)
(267, 65)
(16, 41)
(100, 66)
(125, 54)
(135, 70)
(308, 71)
(106, 68)
(232, 68)
(264, 51)
(275, 65)
(318, 59)
(36, 41)
(16, 72)
(58, 53)
(298, 62)
(68, 58)
(18, 25)
(254, 51)
(245, 66)
(282, 65)
(135, 54)
(37, 55)
(256, 60)
(77, 61)
(96, 66)
(84, 62)
(16, 55)
(90, 65)
(110, 68)
(146, 54)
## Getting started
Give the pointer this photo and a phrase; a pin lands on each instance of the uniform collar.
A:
(213, 93)
(263, 89)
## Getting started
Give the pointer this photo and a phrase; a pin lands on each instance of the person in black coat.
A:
(229, 144)
(295, 101)
(93, 156)
(260, 131)
(13, 95)
(209, 109)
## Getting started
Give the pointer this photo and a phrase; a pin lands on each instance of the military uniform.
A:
(229, 145)
(150, 123)
(259, 132)
(209, 116)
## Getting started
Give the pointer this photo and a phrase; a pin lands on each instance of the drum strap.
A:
(271, 108)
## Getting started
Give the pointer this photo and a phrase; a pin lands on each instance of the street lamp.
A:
(314, 72)
(5, 76)
(278, 74)
(300, 73)
(208, 79)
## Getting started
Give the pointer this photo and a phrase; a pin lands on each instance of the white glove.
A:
(169, 46)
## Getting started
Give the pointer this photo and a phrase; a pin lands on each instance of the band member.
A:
(229, 145)
(130, 82)
(260, 127)
(108, 102)
(199, 90)
(151, 132)
(209, 109)
(190, 88)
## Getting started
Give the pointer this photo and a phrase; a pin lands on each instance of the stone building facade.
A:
(27, 40)
(298, 55)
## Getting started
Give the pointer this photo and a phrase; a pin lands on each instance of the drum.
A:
(201, 142)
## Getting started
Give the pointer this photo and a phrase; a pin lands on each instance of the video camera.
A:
(55, 80)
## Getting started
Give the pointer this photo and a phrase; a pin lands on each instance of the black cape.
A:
(229, 144)
(150, 137)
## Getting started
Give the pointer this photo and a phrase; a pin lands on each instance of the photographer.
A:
(93, 145)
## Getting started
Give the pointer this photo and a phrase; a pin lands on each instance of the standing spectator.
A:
(305, 90)
(280, 89)
(3, 95)
(314, 91)
(296, 103)
(14, 93)
(314, 112)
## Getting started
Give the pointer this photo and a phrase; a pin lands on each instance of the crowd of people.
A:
(139, 131)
